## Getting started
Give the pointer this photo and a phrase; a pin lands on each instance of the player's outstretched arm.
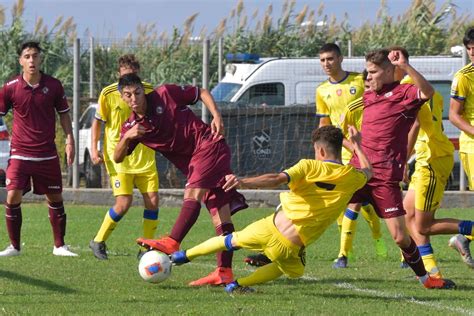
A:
(269, 180)
(66, 124)
(217, 125)
(355, 139)
(426, 89)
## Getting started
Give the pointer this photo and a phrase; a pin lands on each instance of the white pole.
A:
(75, 112)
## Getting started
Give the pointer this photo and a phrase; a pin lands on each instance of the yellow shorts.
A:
(123, 183)
(263, 236)
(429, 183)
(467, 161)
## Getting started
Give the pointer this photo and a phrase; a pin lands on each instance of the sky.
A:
(117, 18)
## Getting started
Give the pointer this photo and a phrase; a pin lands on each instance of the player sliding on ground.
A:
(319, 188)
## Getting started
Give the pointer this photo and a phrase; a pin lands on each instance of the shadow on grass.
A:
(47, 285)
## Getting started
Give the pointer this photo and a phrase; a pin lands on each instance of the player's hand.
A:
(135, 132)
(97, 157)
(406, 177)
(217, 127)
(397, 59)
(355, 136)
(70, 153)
(231, 182)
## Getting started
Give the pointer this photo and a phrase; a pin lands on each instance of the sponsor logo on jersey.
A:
(352, 90)
(12, 82)
(391, 209)
(117, 184)
(388, 94)
(54, 187)
(339, 92)
(7, 181)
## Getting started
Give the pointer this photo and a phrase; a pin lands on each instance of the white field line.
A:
(377, 293)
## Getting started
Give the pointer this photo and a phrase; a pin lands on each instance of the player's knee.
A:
(424, 230)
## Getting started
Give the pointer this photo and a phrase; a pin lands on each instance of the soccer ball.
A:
(154, 267)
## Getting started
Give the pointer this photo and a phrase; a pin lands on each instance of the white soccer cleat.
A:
(461, 244)
(10, 251)
(64, 251)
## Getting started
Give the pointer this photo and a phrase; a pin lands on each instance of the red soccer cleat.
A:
(166, 244)
(220, 276)
(435, 283)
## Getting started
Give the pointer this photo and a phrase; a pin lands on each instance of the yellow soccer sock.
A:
(339, 221)
(349, 224)
(469, 237)
(373, 220)
(209, 246)
(263, 274)
(150, 222)
(427, 255)
(109, 223)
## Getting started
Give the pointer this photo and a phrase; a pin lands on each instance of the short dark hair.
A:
(402, 49)
(379, 57)
(468, 37)
(29, 44)
(330, 47)
(128, 61)
(330, 137)
(128, 80)
(365, 74)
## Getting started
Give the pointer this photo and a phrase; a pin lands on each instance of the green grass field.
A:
(39, 283)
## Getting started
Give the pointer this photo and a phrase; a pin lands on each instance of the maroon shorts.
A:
(386, 197)
(46, 176)
(207, 169)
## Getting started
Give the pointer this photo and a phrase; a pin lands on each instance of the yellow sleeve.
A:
(322, 108)
(460, 88)
(425, 118)
(103, 108)
(304, 169)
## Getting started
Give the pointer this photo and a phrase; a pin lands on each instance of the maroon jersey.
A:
(388, 116)
(34, 115)
(171, 126)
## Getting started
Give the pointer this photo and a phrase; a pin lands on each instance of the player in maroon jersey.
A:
(163, 121)
(390, 109)
(35, 98)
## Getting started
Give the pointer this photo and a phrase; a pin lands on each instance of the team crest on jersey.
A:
(339, 92)
(117, 184)
(388, 94)
(45, 90)
(159, 110)
(352, 90)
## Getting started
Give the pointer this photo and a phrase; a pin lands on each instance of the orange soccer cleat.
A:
(166, 244)
(220, 276)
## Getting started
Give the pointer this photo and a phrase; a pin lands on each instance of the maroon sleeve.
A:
(412, 96)
(132, 143)
(5, 100)
(61, 100)
(183, 95)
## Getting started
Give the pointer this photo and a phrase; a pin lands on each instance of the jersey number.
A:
(324, 185)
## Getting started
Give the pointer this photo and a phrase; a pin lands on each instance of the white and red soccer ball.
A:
(154, 266)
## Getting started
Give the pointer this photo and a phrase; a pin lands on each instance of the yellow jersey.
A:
(113, 111)
(352, 115)
(319, 190)
(462, 89)
(333, 97)
(431, 142)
